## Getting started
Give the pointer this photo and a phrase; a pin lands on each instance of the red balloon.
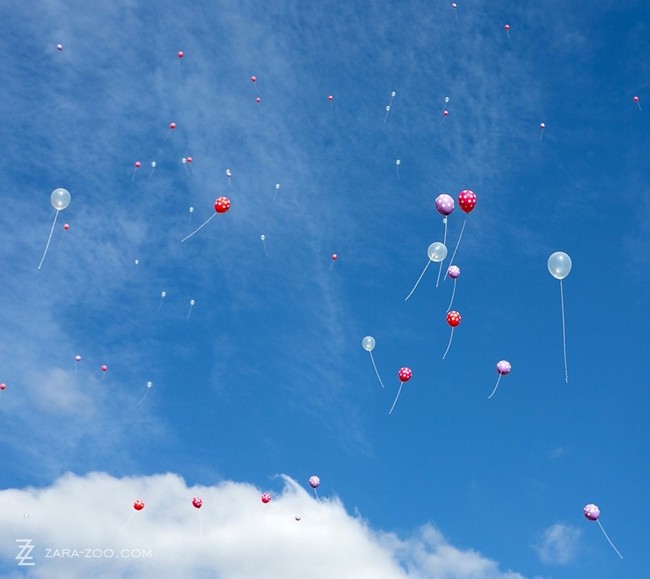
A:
(189, 159)
(222, 204)
(334, 257)
(330, 98)
(66, 226)
(138, 164)
(253, 79)
(453, 318)
(266, 498)
(636, 99)
(104, 368)
(405, 374)
(507, 27)
(445, 113)
(3, 386)
(138, 505)
(467, 200)
(180, 54)
(172, 126)
(197, 502)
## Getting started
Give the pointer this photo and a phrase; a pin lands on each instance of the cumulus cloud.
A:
(83, 526)
(558, 544)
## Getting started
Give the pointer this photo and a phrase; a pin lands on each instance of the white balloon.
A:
(368, 343)
(437, 252)
(60, 199)
(559, 265)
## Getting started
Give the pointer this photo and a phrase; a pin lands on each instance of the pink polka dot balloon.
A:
(503, 368)
(453, 271)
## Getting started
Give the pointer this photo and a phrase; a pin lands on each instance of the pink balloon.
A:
(104, 368)
(197, 502)
(266, 498)
(138, 164)
(180, 54)
(444, 204)
(314, 481)
(172, 126)
(503, 367)
(453, 272)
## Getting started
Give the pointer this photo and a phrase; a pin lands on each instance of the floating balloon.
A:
(60, 199)
(197, 502)
(172, 126)
(180, 54)
(314, 483)
(138, 505)
(453, 319)
(104, 369)
(59, 47)
(390, 104)
(503, 368)
(263, 240)
(636, 100)
(221, 205)
(454, 7)
(3, 386)
(445, 113)
(559, 266)
(592, 513)
(153, 168)
(397, 164)
(453, 271)
(258, 100)
(277, 188)
(330, 98)
(436, 252)
(444, 205)
(542, 126)
(77, 359)
(368, 344)
(228, 176)
(404, 374)
(334, 258)
(266, 497)
(507, 29)
(136, 166)
(163, 295)
(149, 387)
(467, 202)
(192, 302)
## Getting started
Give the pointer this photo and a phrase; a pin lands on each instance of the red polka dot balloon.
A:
(266, 498)
(453, 318)
(222, 204)
(405, 374)
(197, 502)
(138, 505)
(467, 200)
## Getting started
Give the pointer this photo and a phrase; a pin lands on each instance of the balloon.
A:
(507, 27)
(258, 100)
(222, 204)
(3, 386)
(503, 367)
(197, 502)
(636, 98)
(266, 498)
(559, 265)
(138, 505)
(77, 358)
(253, 79)
(542, 126)
(330, 98)
(444, 204)
(437, 252)
(228, 173)
(405, 374)
(297, 517)
(149, 384)
(180, 54)
(172, 126)
(453, 318)
(60, 199)
(104, 368)
(314, 481)
(368, 343)
(334, 257)
(453, 271)
(188, 159)
(66, 226)
(454, 5)
(467, 200)
(445, 113)
(591, 512)
(138, 164)
(59, 47)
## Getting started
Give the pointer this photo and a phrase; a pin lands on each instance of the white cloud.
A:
(558, 544)
(78, 522)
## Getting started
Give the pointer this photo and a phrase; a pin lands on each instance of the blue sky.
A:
(266, 382)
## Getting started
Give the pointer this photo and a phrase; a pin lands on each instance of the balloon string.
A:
(264, 246)
(331, 265)
(200, 526)
(188, 313)
(397, 169)
(372, 359)
(47, 245)
(396, 397)
(444, 242)
(417, 282)
(610, 541)
(160, 304)
(317, 497)
(566, 371)
(457, 243)
(451, 337)
(127, 522)
(495, 388)
(453, 293)
(145, 395)
(198, 229)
